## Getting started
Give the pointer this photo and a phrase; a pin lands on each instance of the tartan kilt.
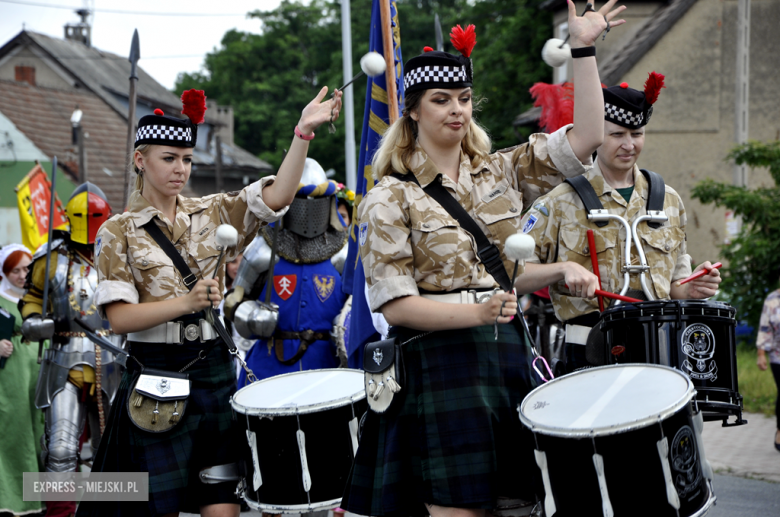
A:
(454, 438)
(203, 438)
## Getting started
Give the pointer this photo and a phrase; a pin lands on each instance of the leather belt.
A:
(307, 337)
(470, 296)
(175, 333)
(577, 334)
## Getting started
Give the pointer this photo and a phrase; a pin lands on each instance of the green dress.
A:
(21, 423)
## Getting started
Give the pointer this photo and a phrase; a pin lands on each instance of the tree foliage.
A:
(268, 78)
(754, 256)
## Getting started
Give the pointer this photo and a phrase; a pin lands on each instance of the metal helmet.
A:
(313, 173)
(87, 210)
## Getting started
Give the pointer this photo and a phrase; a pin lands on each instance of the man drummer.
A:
(559, 224)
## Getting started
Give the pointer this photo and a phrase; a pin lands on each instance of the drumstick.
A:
(594, 260)
(700, 274)
(607, 294)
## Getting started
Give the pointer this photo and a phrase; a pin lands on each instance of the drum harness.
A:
(576, 332)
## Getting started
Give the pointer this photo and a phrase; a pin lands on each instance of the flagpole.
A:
(347, 101)
(387, 46)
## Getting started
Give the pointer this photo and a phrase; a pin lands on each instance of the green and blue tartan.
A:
(454, 438)
(204, 437)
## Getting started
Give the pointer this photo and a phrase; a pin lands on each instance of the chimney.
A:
(223, 117)
(81, 31)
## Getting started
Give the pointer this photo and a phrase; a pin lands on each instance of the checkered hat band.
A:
(435, 74)
(622, 115)
(160, 132)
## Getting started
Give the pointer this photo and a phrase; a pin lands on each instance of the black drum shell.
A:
(653, 332)
(328, 450)
(632, 468)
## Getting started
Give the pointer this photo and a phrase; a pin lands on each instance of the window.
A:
(25, 74)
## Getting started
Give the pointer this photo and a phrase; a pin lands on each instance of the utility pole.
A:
(218, 163)
(347, 100)
(742, 104)
(135, 55)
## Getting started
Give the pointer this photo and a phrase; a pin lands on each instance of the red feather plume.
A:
(653, 86)
(557, 103)
(464, 40)
(194, 102)
(427, 49)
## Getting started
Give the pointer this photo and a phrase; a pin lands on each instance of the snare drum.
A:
(696, 337)
(619, 440)
(302, 430)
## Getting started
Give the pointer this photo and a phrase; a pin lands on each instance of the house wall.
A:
(45, 74)
(692, 128)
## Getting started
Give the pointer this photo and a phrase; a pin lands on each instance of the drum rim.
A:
(641, 423)
(636, 306)
(300, 410)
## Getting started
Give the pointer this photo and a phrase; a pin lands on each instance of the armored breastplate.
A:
(73, 293)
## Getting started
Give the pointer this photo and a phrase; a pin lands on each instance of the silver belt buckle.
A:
(483, 297)
(191, 332)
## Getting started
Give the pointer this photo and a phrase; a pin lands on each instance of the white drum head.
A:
(606, 400)
(300, 392)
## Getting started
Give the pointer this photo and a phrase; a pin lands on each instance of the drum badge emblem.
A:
(163, 386)
(698, 343)
(377, 356)
(684, 462)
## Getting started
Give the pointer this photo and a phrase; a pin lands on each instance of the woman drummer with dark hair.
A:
(452, 443)
(144, 295)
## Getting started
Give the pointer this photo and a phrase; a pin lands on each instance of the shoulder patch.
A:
(98, 245)
(363, 233)
(530, 223)
(539, 207)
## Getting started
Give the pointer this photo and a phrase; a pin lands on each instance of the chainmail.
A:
(300, 250)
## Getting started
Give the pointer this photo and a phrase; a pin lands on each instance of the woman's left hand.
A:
(585, 29)
(705, 286)
(318, 112)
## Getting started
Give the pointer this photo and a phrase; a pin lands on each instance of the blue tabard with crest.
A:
(309, 297)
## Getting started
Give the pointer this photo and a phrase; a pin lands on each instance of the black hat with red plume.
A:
(161, 129)
(631, 108)
(435, 69)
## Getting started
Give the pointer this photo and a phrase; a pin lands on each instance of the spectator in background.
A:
(21, 423)
(768, 343)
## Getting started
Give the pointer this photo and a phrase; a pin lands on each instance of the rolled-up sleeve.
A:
(563, 155)
(385, 247)
(115, 279)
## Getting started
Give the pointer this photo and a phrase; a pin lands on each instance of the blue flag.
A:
(375, 121)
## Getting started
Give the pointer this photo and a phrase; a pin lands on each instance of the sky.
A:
(169, 44)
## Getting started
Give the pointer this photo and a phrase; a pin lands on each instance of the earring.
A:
(141, 171)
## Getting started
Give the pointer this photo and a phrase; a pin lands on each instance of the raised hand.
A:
(585, 29)
(318, 112)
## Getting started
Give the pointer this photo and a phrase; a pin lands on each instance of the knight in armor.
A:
(292, 318)
(77, 381)
(559, 223)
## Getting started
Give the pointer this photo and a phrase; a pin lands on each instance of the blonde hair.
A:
(139, 177)
(400, 140)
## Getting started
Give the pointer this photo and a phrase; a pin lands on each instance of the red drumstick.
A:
(607, 294)
(700, 274)
(594, 260)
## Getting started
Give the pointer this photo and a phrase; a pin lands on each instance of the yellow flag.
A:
(33, 195)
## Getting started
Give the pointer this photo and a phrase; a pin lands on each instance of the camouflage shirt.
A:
(409, 242)
(134, 269)
(558, 223)
(769, 327)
